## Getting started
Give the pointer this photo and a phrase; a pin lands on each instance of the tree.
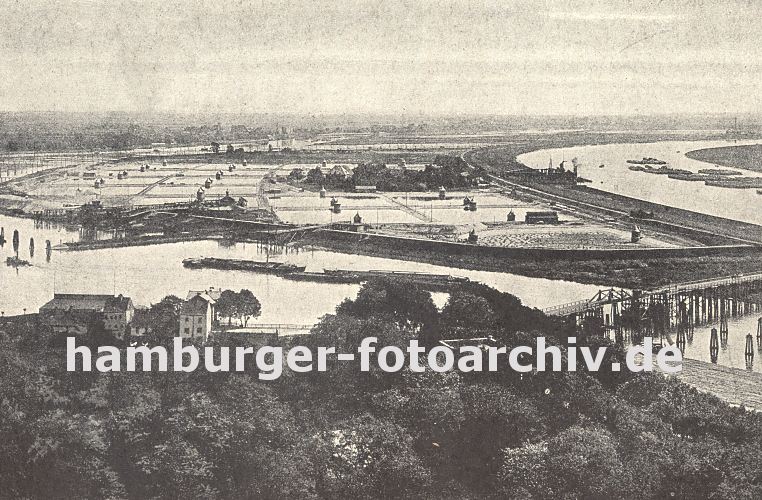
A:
(163, 319)
(315, 176)
(215, 147)
(227, 305)
(366, 454)
(510, 418)
(466, 310)
(97, 335)
(585, 463)
(401, 301)
(296, 174)
(241, 305)
(248, 306)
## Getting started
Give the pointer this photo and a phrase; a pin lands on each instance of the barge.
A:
(343, 276)
(646, 160)
(279, 268)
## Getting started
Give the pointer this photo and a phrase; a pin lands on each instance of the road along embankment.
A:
(704, 228)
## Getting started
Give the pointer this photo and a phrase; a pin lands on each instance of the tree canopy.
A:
(344, 433)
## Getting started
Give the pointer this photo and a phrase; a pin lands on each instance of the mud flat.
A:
(747, 157)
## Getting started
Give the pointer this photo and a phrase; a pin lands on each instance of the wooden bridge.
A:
(613, 296)
(600, 299)
(660, 312)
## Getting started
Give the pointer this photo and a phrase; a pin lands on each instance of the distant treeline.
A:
(29, 131)
(450, 172)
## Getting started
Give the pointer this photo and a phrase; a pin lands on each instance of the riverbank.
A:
(133, 242)
(707, 229)
(619, 273)
(746, 157)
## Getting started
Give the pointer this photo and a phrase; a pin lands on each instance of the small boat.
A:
(243, 265)
(16, 262)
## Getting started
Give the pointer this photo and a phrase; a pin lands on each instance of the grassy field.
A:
(748, 157)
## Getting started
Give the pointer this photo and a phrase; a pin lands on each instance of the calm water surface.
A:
(149, 273)
(739, 204)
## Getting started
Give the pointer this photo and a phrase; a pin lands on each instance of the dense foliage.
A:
(450, 172)
(343, 433)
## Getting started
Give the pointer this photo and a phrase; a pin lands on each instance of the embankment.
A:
(627, 270)
(706, 229)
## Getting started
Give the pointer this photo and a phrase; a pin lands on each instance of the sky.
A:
(505, 57)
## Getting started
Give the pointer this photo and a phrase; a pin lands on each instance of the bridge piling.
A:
(714, 347)
(724, 332)
(749, 352)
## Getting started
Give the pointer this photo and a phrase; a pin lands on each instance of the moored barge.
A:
(242, 265)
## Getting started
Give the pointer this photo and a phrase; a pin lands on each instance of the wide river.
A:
(149, 273)
(739, 204)
(616, 177)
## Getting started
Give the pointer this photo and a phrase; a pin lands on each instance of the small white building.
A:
(196, 317)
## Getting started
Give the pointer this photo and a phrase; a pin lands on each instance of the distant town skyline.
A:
(488, 57)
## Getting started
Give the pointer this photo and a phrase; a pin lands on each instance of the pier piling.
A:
(749, 352)
(714, 347)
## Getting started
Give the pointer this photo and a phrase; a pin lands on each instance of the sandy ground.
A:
(413, 213)
(565, 237)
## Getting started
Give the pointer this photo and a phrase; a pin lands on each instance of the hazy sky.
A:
(503, 56)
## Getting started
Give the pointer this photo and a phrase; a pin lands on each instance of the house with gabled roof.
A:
(73, 312)
(197, 316)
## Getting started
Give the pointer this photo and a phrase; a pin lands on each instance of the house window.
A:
(198, 330)
(187, 331)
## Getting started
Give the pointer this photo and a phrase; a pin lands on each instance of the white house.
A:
(196, 317)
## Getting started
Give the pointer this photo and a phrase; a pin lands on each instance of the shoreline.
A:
(619, 273)
(705, 228)
(748, 156)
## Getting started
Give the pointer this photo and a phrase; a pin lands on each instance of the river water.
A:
(731, 354)
(615, 177)
(149, 273)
